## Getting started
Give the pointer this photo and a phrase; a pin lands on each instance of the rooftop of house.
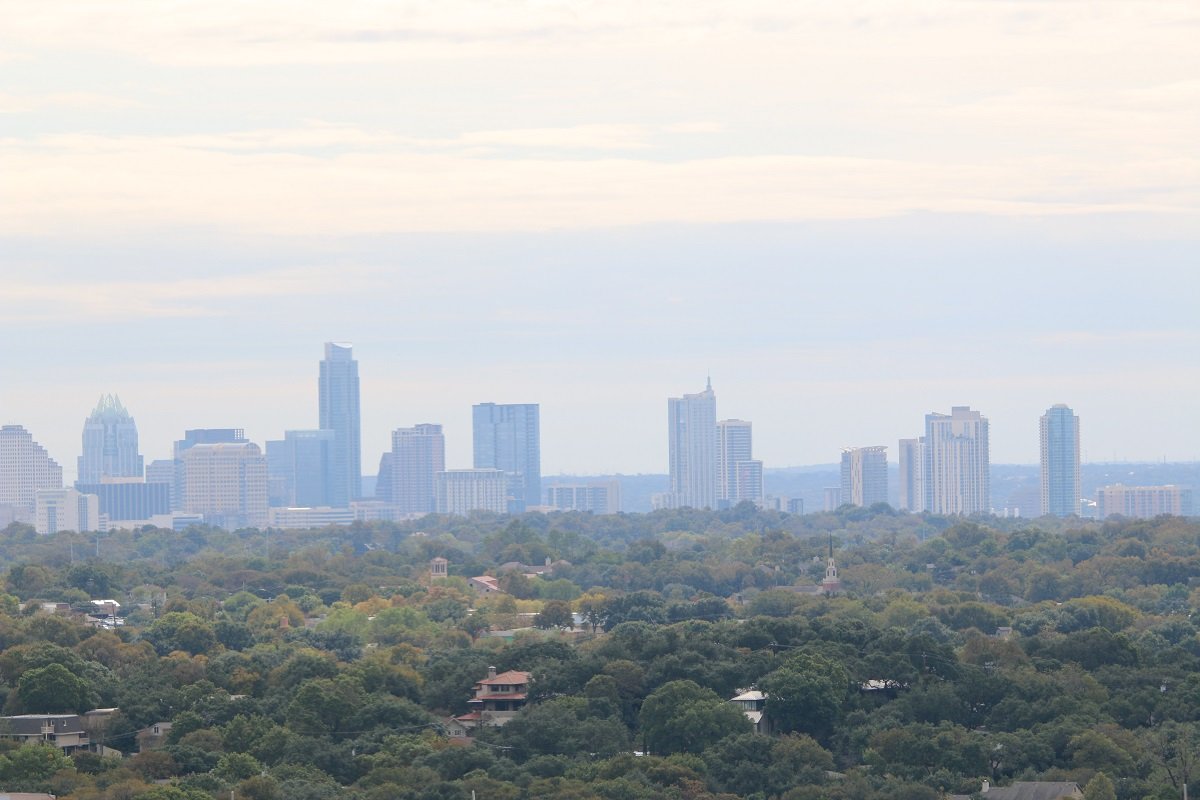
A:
(511, 678)
(31, 724)
(1028, 790)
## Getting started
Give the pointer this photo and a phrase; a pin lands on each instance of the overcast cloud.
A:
(849, 213)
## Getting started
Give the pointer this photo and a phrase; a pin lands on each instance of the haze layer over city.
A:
(848, 217)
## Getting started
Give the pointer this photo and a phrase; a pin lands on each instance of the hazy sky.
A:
(849, 214)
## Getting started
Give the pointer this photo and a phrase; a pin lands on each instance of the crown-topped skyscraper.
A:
(110, 443)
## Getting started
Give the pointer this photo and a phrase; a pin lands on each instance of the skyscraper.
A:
(110, 443)
(157, 471)
(692, 433)
(227, 483)
(301, 467)
(1059, 430)
(912, 474)
(957, 466)
(864, 476)
(418, 453)
(340, 414)
(507, 437)
(734, 448)
(25, 468)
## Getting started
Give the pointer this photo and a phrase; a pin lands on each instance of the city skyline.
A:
(69, 477)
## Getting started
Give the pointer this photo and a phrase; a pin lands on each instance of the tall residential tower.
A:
(418, 454)
(864, 476)
(340, 414)
(912, 474)
(957, 465)
(507, 437)
(692, 433)
(739, 476)
(1060, 461)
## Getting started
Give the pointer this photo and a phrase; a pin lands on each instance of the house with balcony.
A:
(64, 731)
(498, 698)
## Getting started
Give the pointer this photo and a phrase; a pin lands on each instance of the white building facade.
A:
(957, 463)
(692, 426)
(461, 491)
(67, 510)
(25, 469)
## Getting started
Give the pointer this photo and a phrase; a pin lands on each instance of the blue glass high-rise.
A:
(340, 414)
(507, 437)
(1059, 431)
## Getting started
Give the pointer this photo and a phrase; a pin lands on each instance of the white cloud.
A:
(127, 183)
(26, 102)
(31, 299)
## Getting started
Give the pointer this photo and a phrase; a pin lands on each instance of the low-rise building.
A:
(485, 584)
(753, 704)
(64, 731)
(497, 699)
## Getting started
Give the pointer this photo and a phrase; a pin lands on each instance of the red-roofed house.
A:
(497, 699)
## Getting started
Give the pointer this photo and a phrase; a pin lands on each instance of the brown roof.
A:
(512, 677)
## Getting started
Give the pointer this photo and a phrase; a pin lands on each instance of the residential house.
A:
(753, 704)
(153, 737)
(497, 699)
(451, 728)
(485, 584)
(65, 731)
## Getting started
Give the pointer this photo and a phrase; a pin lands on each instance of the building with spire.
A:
(692, 434)
(110, 443)
(831, 583)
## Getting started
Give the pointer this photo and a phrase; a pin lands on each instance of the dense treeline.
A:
(321, 664)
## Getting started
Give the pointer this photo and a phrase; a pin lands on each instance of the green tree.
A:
(1100, 787)
(53, 689)
(30, 767)
(181, 630)
(235, 767)
(554, 614)
(564, 726)
(682, 716)
(806, 694)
